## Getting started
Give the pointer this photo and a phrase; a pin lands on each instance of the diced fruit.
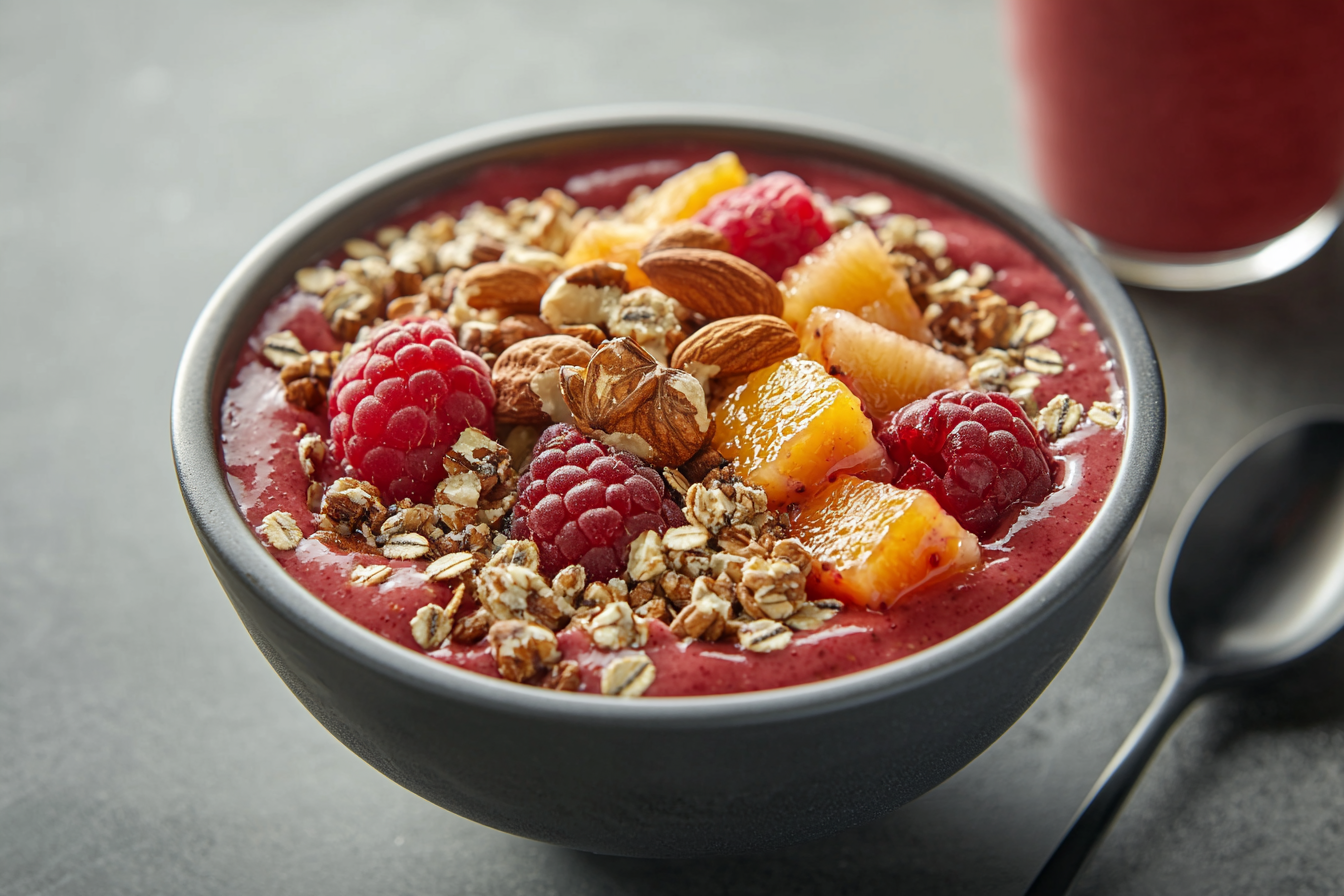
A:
(977, 453)
(791, 427)
(851, 272)
(609, 240)
(885, 369)
(874, 543)
(771, 222)
(686, 192)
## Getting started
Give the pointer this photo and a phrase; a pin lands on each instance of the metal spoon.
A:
(1252, 579)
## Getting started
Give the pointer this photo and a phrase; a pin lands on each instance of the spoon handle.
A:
(1094, 817)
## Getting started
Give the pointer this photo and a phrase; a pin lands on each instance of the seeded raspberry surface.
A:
(399, 402)
(584, 502)
(771, 222)
(975, 452)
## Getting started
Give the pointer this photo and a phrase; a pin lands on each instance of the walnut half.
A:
(629, 401)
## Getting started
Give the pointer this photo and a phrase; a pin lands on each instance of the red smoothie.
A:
(258, 439)
(1183, 125)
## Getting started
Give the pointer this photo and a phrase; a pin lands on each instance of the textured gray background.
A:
(145, 745)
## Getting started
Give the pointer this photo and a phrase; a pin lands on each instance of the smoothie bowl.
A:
(663, 482)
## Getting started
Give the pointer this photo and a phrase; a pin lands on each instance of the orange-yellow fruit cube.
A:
(791, 427)
(885, 369)
(851, 272)
(874, 543)
(612, 240)
(686, 192)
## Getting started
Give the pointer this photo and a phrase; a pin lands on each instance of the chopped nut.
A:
(1104, 414)
(312, 450)
(522, 649)
(568, 584)
(677, 588)
(771, 589)
(724, 563)
(706, 613)
(654, 609)
(764, 636)
(516, 592)
(283, 348)
(813, 615)
(614, 627)
(1043, 360)
(370, 575)
(646, 557)
(676, 481)
(584, 295)
(563, 677)
(1059, 417)
(450, 566)
(602, 593)
(690, 563)
(793, 551)
(406, 546)
(685, 538)
(315, 492)
(650, 319)
(473, 627)
(408, 517)
(281, 531)
(628, 676)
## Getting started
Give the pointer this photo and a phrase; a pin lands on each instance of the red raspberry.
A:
(771, 222)
(399, 402)
(584, 502)
(975, 452)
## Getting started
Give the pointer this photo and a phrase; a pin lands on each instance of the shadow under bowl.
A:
(668, 776)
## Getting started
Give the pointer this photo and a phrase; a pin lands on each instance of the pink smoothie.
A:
(1184, 125)
(258, 447)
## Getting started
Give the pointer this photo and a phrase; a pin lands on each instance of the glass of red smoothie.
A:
(1199, 144)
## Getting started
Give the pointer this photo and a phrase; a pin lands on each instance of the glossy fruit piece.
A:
(884, 369)
(771, 222)
(618, 241)
(851, 272)
(791, 426)
(686, 192)
(874, 543)
(978, 454)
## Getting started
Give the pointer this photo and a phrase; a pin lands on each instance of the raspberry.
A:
(584, 502)
(399, 402)
(975, 452)
(771, 222)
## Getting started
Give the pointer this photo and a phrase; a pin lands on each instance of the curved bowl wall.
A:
(669, 776)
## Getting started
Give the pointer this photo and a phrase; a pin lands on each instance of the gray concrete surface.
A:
(145, 745)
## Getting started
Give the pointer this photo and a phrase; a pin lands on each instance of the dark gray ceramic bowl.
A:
(671, 776)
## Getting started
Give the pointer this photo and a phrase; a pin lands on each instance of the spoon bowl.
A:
(1254, 570)
(1252, 580)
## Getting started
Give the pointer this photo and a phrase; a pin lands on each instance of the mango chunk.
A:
(872, 543)
(791, 427)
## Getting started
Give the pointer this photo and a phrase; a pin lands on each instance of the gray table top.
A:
(145, 745)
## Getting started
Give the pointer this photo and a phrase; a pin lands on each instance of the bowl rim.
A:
(219, 522)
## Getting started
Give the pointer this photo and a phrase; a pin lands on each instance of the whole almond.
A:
(735, 346)
(514, 287)
(518, 327)
(520, 370)
(713, 283)
(686, 235)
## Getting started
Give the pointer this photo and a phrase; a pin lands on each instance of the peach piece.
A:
(885, 369)
(874, 543)
(791, 427)
(608, 240)
(851, 272)
(686, 192)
